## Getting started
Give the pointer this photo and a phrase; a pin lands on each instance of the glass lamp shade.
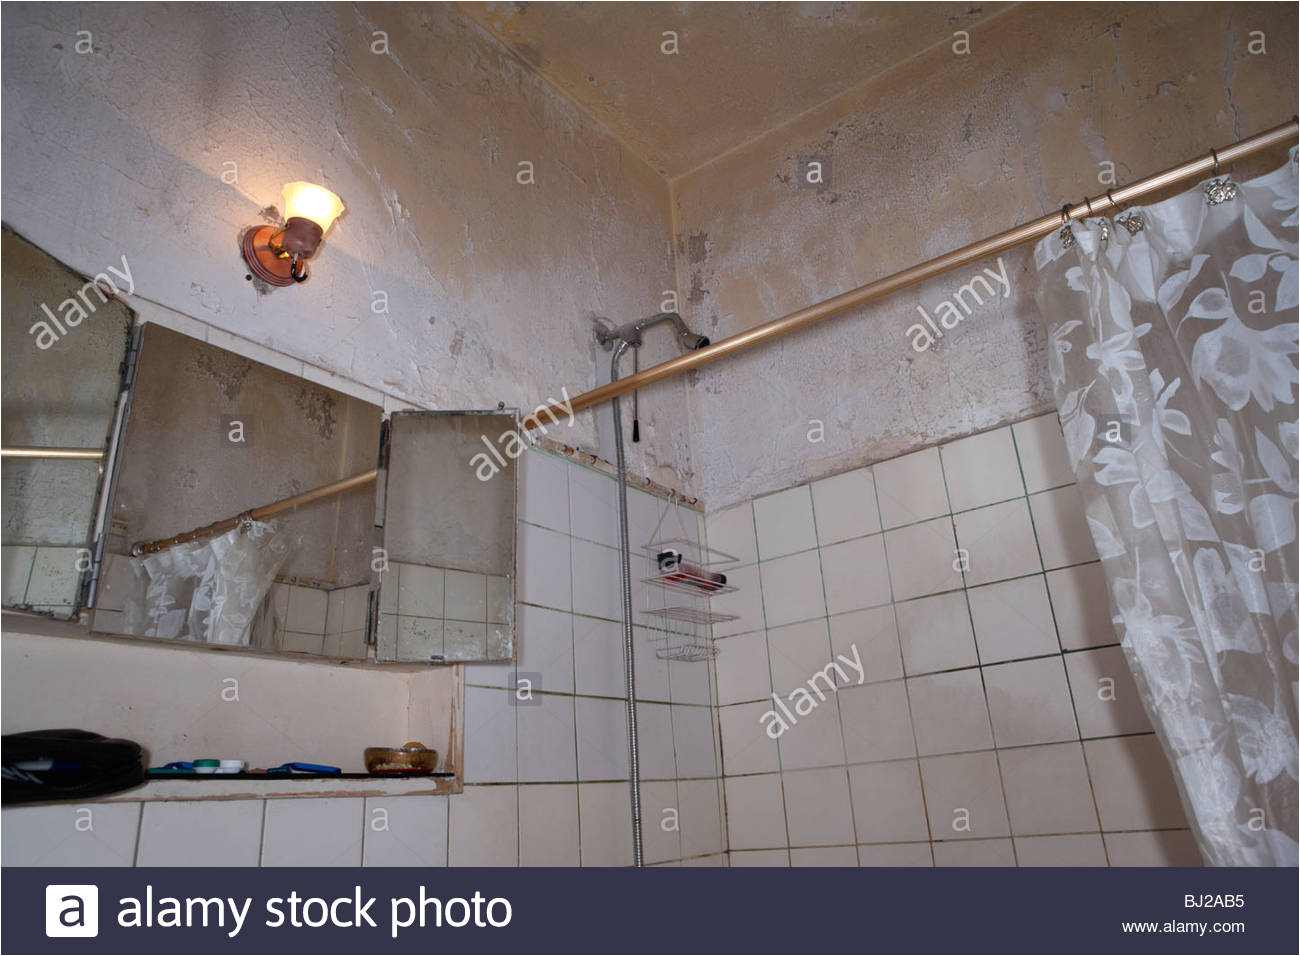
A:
(309, 201)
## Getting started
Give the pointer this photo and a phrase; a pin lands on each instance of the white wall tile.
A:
(1047, 789)
(797, 652)
(593, 507)
(307, 610)
(597, 586)
(963, 796)
(845, 506)
(910, 488)
(545, 646)
(760, 858)
(605, 817)
(464, 640)
(66, 834)
(755, 812)
(784, 523)
(921, 559)
(854, 575)
(870, 638)
(999, 542)
(935, 633)
(1081, 604)
(655, 742)
(896, 854)
(651, 671)
(1043, 458)
(322, 831)
(1153, 848)
(484, 827)
(544, 490)
(742, 668)
(792, 589)
(1105, 696)
(1013, 619)
(693, 739)
(981, 470)
(746, 746)
(406, 831)
(949, 713)
(602, 739)
(1029, 702)
(1062, 527)
(660, 822)
(201, 833)
(544, 569)
(887, 802)
(548, 826)
(547, 747)
(974, 853)
(818, 811)
(876, 722)
(489, 735)
(689, 682)
(815, 740)
(1133, 784)
(731, 531)
(1074, 849)
(824, 856)
(699, 803)
(598, 657)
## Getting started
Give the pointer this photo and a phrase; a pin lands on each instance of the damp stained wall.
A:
(447, 284)
(943, 150)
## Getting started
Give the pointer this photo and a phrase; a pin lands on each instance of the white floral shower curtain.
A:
(1172, 332)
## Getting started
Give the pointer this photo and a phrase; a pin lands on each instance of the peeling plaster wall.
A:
(942, 151)
(490, 284)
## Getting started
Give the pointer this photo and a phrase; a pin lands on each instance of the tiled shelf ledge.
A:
(215, 788)
(183, 702)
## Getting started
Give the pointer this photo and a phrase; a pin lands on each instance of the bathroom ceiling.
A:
(741, 68)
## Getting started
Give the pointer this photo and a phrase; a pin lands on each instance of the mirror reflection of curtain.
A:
(209, 590)
(1172, 341)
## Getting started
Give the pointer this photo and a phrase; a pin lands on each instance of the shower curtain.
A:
(1172, 331)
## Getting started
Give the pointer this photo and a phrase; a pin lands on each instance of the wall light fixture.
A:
(278, 254)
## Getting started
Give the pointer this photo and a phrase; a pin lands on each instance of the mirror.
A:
(210, 436)
(447, 585)
(65, 345)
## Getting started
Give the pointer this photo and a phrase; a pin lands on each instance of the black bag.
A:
(67, 765)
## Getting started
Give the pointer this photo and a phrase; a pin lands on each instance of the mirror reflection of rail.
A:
(38, 451)
(257, 514)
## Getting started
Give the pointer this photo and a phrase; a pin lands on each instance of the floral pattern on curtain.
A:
(1173, 338)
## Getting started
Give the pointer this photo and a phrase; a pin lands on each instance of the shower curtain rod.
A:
(992, 245)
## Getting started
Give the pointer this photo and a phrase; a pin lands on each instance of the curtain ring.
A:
(1215, 156)
(1088, 203)
(1065, 215)
(1113, 204)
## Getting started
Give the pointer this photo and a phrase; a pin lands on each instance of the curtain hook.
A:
(1219, 190)
(1066, 234)
(1131, 221)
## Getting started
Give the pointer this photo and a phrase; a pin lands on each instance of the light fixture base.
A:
(265, 262)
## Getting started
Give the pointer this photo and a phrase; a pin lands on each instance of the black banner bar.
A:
(649, 911)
